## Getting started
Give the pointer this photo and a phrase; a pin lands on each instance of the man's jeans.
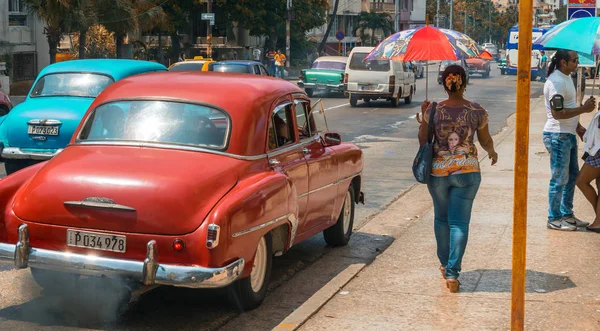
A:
(565, 168)
(279, 70)
(452, 201)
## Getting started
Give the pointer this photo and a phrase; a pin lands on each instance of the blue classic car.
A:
(42, 125)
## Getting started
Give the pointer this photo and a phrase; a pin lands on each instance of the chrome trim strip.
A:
(17, 153)
(101, 203)
(172, 146)
(44, 122)
(260, 226)
(148, 272)
(302, 143)
(329, 185)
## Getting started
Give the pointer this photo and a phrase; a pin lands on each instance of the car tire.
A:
(309, 92)
(55, 282)
(339, 234)
(408, 99)
(248, 293)
(394, 101)
(367, 100)
(353, 100)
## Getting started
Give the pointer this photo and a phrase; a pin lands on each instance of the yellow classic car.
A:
(198, 63)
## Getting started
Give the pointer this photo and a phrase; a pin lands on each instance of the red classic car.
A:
(479, 67)
(165, 183)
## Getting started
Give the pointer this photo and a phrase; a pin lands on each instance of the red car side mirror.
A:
(332, 139)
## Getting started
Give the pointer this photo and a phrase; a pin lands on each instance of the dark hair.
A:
(561, 54)
(454, 69)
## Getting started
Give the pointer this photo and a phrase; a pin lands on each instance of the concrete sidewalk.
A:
(403, 290)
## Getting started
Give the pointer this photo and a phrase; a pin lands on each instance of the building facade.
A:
(23, 45)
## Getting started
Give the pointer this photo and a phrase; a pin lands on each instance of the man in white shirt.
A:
(256, 54)
(560, 138)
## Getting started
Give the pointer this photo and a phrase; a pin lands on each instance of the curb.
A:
(319, 299)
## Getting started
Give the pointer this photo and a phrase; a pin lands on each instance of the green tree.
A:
(267, 17)
(374, 22)
(561, 14)
(53, 13)
(80, 18)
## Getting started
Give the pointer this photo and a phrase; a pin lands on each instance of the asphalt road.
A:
(388, 138)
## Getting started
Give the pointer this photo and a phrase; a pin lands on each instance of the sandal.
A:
(597, 230)
(443, 271)
(453, 285)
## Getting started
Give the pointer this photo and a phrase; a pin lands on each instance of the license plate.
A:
(321, 86)
(95, 240)
(43, 129)
(367, 87)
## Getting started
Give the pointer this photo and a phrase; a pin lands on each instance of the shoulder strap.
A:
(431, 126)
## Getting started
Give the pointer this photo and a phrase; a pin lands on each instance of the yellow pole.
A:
(517, 321)
(339, 47)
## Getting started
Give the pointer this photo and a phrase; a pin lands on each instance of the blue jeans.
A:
(279, 70)
(452, 202)
(565, 168)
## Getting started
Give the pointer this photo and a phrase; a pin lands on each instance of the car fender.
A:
(9, 186)
(255, 206)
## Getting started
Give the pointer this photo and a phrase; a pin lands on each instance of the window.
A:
(281, 127)
(71, 84)
(256, 69)
(305, 128)
(159, 122)
(263, 71)
(357, 63)
(329, 65)
(17, 13)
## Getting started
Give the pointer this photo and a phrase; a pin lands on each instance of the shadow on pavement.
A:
(499, 281)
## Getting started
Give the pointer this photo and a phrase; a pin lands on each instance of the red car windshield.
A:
(158, 122)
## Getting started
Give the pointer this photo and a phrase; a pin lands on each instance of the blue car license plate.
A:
(43, 130)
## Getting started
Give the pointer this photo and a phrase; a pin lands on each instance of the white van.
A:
(378, 79)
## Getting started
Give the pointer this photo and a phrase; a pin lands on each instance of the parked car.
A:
(479, 67)
(168, 184)
(444, 64)
(199, 64)
(502, 66)
(5, 103)
(493, 50)
(418, 68)
(42, 125)
(239, 66)
(325, 75)
(377, 79)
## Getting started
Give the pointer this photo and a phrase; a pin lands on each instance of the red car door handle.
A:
(305, 150)
(273, 162)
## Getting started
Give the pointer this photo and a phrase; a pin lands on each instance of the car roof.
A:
(248, 99)
(238, 62)
(116, 68)
(343, 59)
(362, 49)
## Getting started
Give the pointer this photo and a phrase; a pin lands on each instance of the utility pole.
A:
(209, 30)
(490, 21)
(451, 14)
(437, 15)
(397, 15)
(287, 32)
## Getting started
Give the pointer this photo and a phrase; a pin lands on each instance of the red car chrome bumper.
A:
(148, 272)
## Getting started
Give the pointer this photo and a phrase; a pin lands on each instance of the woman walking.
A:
(455, 176)
(590, 171)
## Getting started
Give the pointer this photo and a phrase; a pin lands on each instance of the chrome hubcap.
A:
(347, 211)
(259, 269)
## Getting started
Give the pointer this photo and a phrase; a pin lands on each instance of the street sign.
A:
(578, 12)
(340, 35)
(207, 16)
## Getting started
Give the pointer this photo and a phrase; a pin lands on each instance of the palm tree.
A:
(374, 22)
(53, 13)
(329, 25)
(82, 16)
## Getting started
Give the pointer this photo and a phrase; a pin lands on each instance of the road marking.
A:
(338, 106)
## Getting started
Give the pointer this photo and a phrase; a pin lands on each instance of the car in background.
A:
(445, 63)
(199, 63)
(479, 67)
(239, 66)
(5, 103)
(493, 50)
(390, 80)
(502, 66)
(42, 125)
(165, 183)
(418, 68)
(325, 75)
